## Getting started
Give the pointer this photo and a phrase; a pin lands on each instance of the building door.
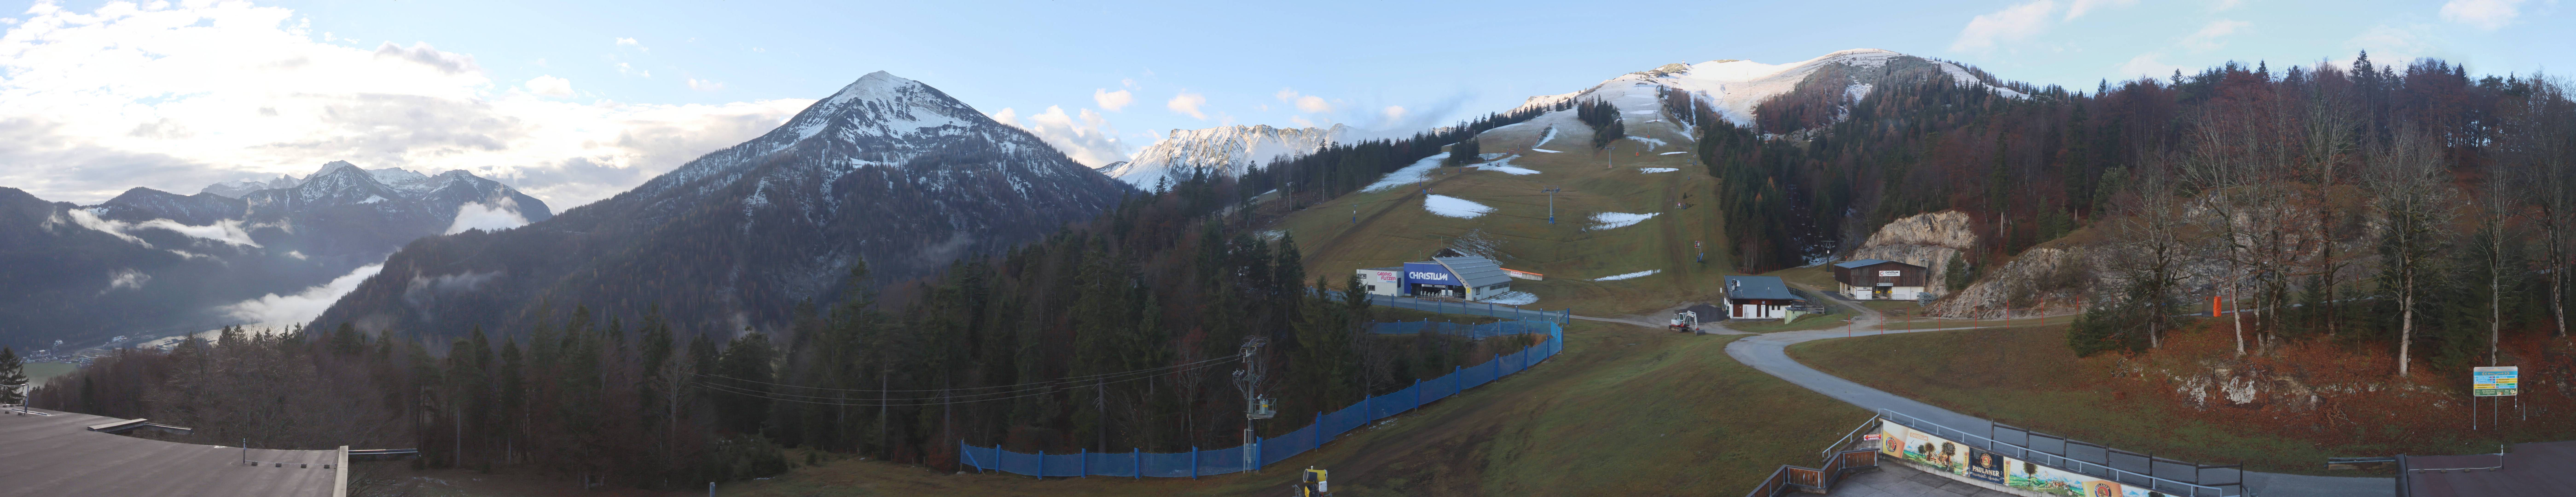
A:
(1739, 310)
(1879, 293)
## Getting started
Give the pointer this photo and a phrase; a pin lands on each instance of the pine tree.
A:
(13, 378)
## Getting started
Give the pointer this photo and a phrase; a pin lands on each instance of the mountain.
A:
(887, 171)
(149, 262)
(1735, 88)
(1225, 150)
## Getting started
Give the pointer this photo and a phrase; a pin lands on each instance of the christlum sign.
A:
(2496, 381)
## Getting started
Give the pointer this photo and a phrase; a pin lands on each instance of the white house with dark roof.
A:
(1759, 297)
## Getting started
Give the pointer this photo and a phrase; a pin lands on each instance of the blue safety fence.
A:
(1264, 452)
(1488, 309)
(1474, 331)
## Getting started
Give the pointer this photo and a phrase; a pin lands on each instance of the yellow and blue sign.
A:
(2497, 381)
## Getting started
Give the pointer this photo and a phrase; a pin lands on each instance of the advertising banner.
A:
(1985, 466)
(1935, 453)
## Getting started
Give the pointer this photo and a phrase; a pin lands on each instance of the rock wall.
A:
(1929, 240)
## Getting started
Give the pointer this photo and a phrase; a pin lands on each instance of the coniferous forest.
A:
(1120, 333)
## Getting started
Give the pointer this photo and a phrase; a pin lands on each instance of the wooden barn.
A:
(1873, 279)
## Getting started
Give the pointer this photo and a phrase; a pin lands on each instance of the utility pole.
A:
(1551, 202)
(1248, 379)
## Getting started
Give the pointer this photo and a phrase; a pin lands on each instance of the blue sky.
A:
(578, 100)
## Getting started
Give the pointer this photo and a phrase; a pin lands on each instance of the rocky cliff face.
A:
(1224, 150)
(1929, 240)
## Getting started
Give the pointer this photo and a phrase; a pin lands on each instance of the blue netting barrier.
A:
(1473, 331)
(1324, 428)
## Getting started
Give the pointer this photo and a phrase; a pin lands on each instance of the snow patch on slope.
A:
(1445, 205)
(1618, 277)
(1419, 172)
(1608, 220)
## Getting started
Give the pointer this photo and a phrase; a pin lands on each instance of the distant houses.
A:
(1873, 279)
(1759, 297)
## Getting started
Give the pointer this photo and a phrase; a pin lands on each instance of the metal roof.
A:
(1475, 271)
(1758, 287)
(54, 454)
(1859, 263)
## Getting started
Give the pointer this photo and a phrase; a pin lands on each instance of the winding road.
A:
(1769, 353)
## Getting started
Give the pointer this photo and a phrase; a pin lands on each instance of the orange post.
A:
(2214, 306)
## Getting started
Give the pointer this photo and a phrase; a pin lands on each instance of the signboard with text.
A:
(1891, 274)
(2497, 381)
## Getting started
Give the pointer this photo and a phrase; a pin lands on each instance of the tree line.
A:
(1114, 334)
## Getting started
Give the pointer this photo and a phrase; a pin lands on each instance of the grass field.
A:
(2025, 376)
(1394, 227)
(1623, 411)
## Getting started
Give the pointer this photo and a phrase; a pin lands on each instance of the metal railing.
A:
(2167, 476)
(1838, 460)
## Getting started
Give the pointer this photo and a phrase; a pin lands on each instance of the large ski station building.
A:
(1466, 277)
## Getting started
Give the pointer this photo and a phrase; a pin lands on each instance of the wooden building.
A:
(1758, 297)
(1873, 279)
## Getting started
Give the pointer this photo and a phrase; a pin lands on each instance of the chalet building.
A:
(1873, 279)
(1759, 297)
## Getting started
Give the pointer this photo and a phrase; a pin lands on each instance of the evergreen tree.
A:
(13, 378)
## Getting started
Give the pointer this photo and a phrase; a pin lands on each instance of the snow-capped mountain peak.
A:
(1735, 87)
(1225, 150)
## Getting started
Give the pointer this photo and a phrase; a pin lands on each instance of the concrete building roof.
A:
(1758, 287)
(56, 454)
(1475, 271)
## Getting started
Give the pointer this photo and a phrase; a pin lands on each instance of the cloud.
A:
(2015, 23)
(1393, 113)
(227, 231)
(2150, 64)
(1286, 95)
(174, 99)
(2080, 7)
(1311, 103)
(126, 279)
(423, 54)
(499, 216)
(550, 86)
(421, 292)
(704, 85)
(628, 69)
(1086, 137)
(2488, 15)
(2207, 38)
(277, 311)
(1111, 100)
(1188, 103)
(630, 42)
(2390, 45)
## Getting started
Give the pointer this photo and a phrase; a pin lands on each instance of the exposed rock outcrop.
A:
(1929, 240)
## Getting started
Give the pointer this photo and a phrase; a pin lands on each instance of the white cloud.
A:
(1315, 104)
(2150, 64)
(2015, 23)
(2207, 38)
(126, 279)
(1086, 137)
(2488, 15)
(2389, 45)
(630, 42)
(2080, 7)
(1394, 113)
(704, 85)
(229, 231)
(1286, 95)
(1300, 121)
(277, 311)
(1130, 83)
(496, 217)
(177, 98)
(550, 86)
(1111, 100)
(627, 69)
(1188, 103)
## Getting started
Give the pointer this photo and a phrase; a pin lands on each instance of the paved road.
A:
(1769, 353)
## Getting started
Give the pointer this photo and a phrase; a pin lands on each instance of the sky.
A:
(574, 101)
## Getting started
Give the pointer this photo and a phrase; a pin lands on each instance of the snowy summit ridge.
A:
(1228, 151)
(1735, 87)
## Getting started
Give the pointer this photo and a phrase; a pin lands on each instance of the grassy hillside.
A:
(1394, 227)
(1623, 411)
